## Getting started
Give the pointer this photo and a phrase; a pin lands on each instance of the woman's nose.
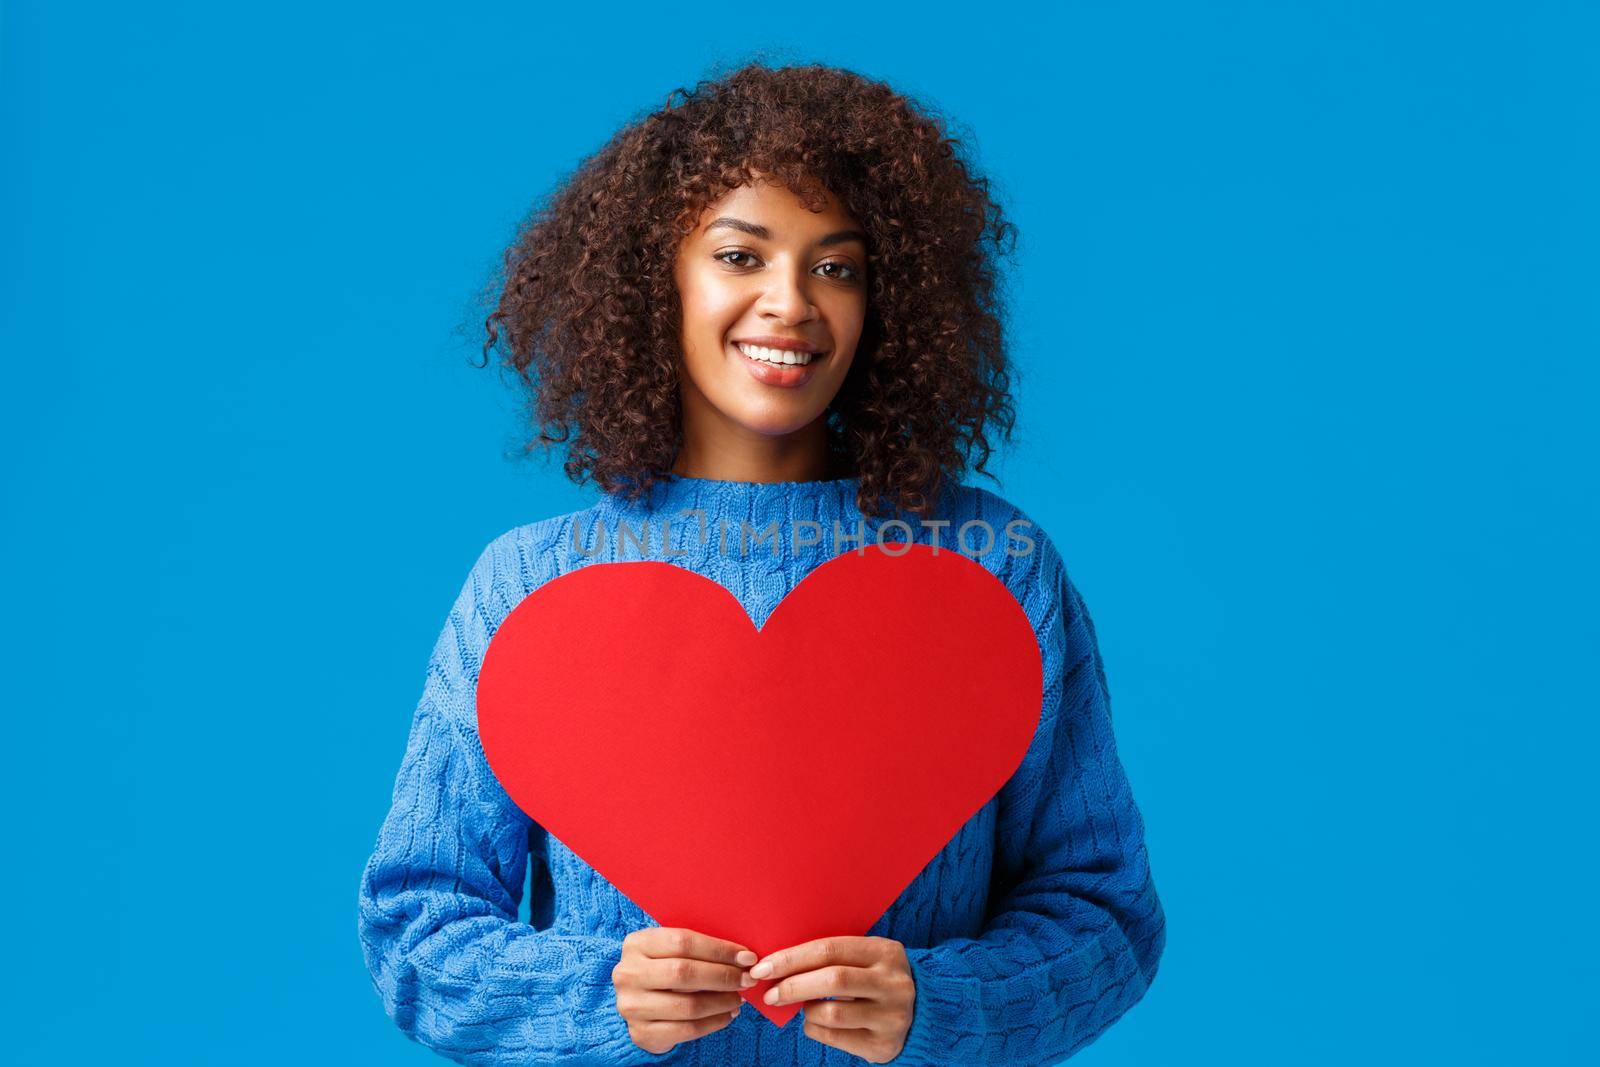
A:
(786, 298)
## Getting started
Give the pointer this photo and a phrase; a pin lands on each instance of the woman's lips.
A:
(786, 376)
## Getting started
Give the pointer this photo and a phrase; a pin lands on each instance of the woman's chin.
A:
(772, 418)
(773, 427)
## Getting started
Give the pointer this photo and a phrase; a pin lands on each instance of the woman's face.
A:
(774, 297)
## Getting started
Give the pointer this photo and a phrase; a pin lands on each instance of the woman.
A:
(770, 301)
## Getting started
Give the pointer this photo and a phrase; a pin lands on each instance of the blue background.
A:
(1305, 313)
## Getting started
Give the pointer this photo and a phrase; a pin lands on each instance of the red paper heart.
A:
(768, 787)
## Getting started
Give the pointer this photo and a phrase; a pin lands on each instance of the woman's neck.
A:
(802, 457)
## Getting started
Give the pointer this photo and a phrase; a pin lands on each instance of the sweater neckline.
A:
(672, 494)
(814, 485)
(672, 487)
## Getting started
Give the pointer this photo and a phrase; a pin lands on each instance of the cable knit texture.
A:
(1028, 935)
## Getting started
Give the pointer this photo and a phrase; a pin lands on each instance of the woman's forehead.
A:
(767, 210)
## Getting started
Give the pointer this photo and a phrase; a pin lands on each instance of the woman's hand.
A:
(871, 980)
(673, 985)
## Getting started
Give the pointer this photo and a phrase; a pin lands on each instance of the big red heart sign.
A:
(765, 786)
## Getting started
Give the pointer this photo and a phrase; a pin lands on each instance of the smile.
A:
(779, 356)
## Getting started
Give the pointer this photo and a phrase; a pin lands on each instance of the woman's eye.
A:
(842, 272)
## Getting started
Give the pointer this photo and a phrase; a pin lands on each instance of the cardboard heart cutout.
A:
(766, 786)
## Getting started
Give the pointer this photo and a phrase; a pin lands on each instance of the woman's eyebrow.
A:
(754, 230)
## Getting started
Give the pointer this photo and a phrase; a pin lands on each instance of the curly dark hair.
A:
(586, 311)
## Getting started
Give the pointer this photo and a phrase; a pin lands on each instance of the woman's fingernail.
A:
(745, 958)
(761, 970)
(772, 995)
(745, 981)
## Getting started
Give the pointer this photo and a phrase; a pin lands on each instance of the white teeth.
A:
(776, 355)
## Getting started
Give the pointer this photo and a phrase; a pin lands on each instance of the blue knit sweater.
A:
(1033, 931)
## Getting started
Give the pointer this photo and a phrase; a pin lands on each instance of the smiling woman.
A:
(767, 307)
(799, 208)
(774, 299)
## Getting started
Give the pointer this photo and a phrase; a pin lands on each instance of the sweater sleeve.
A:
(1075, 930)
(440, 894)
